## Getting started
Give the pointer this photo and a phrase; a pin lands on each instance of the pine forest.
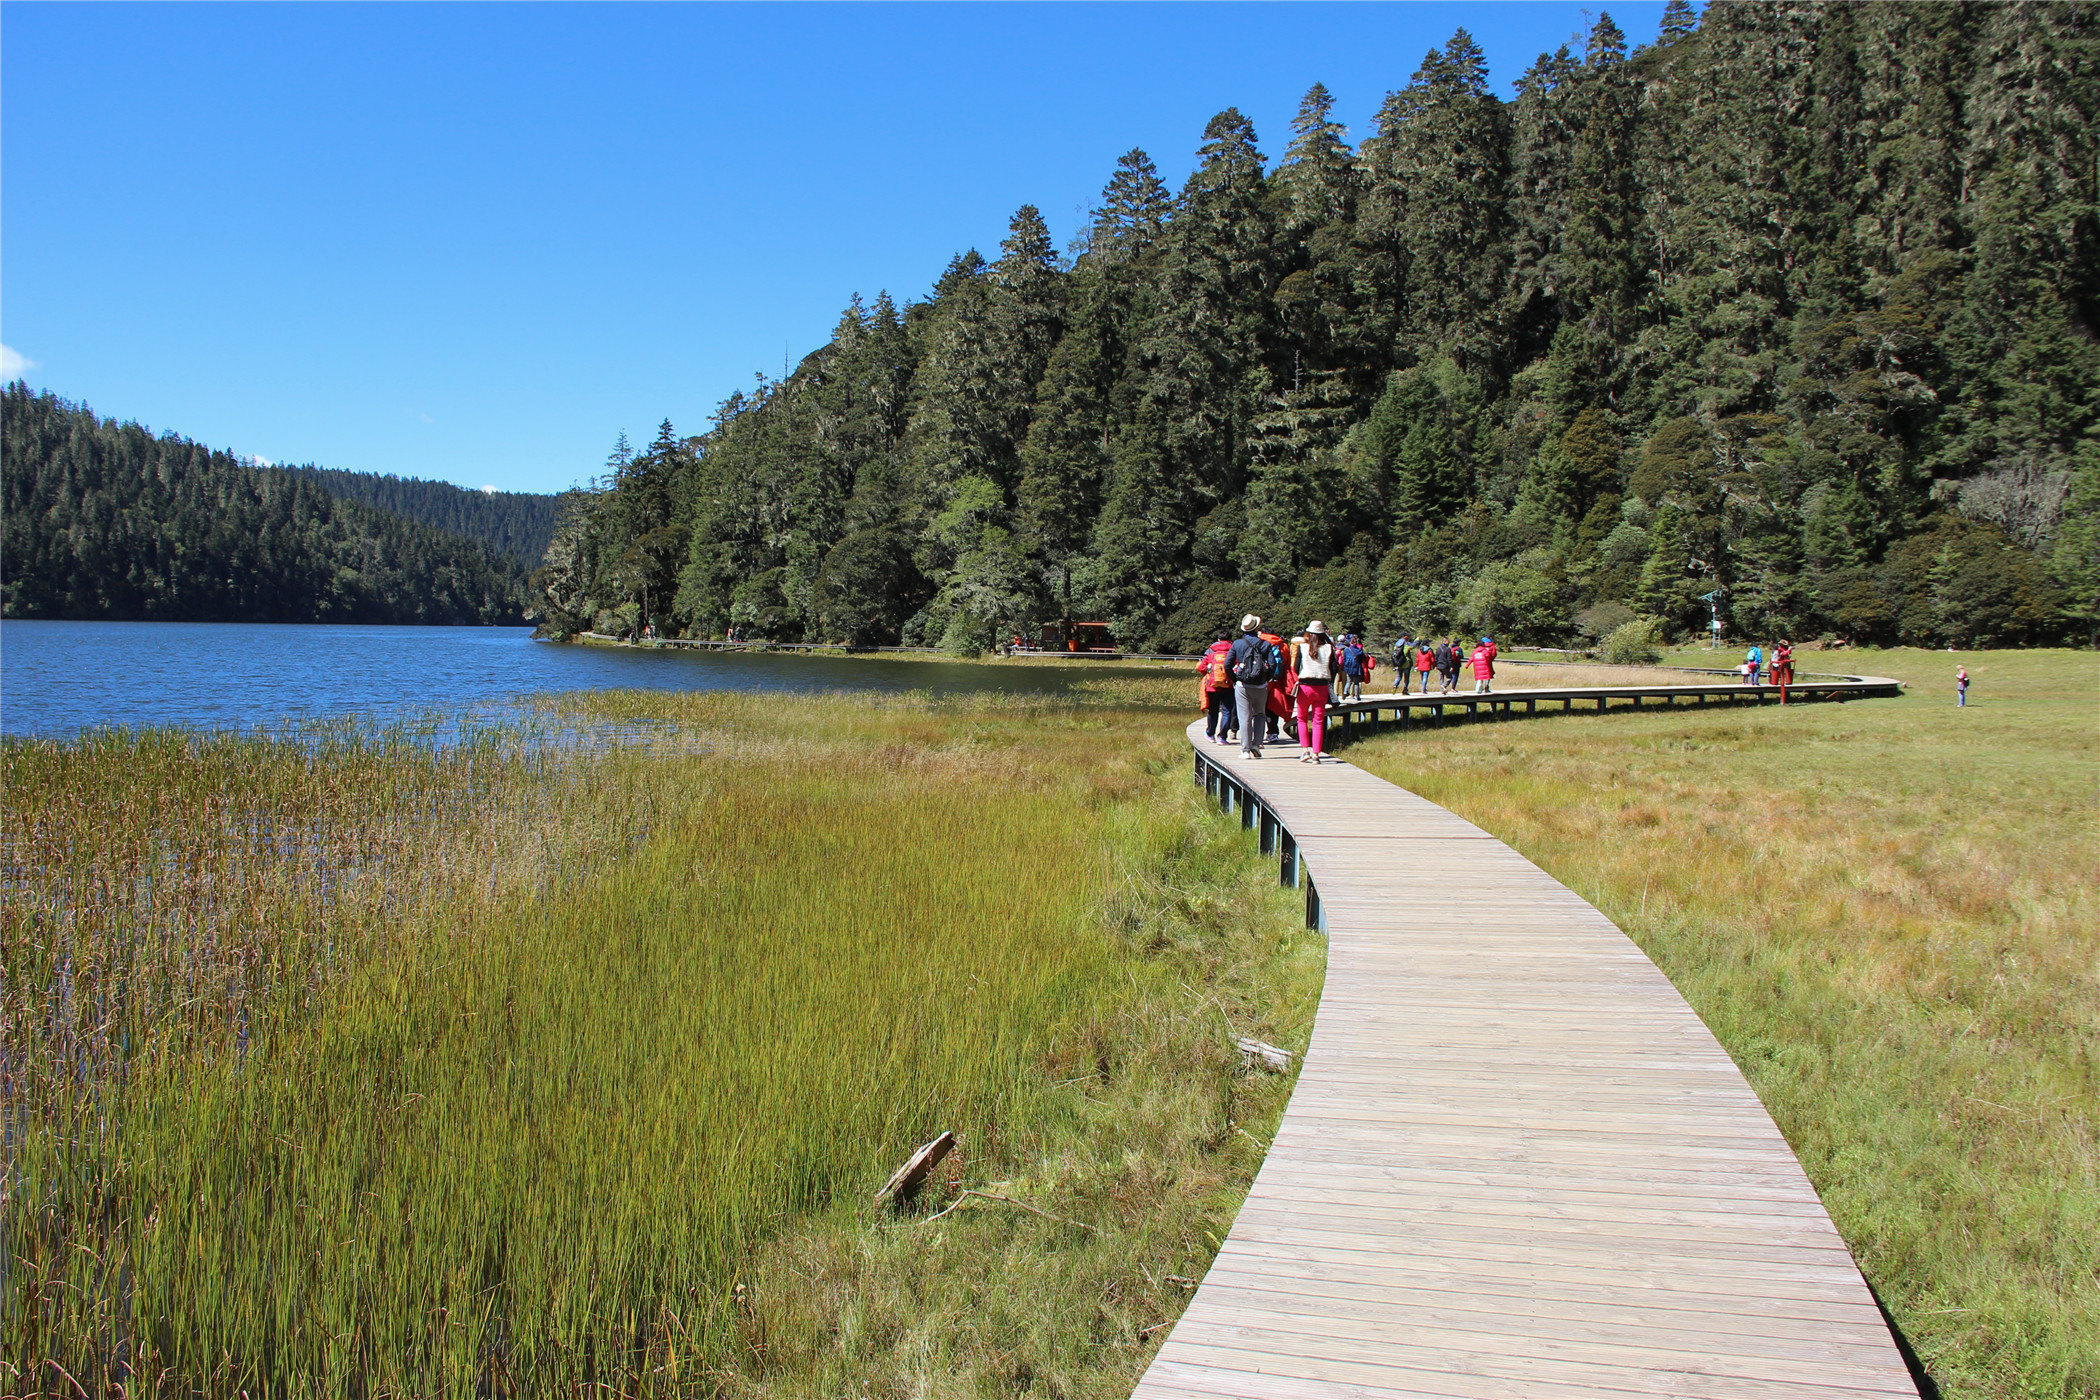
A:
(106, 522)
(1788, 320)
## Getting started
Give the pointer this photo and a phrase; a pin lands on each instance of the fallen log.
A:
(901, 1187)
(1268, 1054)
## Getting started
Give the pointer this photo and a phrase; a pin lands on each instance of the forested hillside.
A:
(103, 520)
(515, 524)
(1796, 308)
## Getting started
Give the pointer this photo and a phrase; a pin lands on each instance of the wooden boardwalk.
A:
(1516, 1163)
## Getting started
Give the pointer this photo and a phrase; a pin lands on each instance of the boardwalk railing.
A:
(1436, 708)
(1515, 1162)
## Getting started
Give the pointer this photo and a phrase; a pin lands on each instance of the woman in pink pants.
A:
(1313, 665)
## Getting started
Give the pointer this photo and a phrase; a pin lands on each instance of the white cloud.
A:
(426, 418)
(488, 490)
(13, 362)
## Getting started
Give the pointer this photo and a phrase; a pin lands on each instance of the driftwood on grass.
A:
(1263, 1051)
(901, 1187)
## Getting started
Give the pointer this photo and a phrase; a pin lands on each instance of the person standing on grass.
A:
(1215, 688)
(1252, 663)
(1961, 687)
(1783, 667)
(1313, 665)
(1483, 666)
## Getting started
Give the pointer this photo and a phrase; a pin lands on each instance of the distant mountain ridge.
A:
(101, 520)
(516, 524)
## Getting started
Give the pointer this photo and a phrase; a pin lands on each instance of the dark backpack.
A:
(1250, 660)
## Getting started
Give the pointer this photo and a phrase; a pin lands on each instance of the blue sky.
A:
(475, 242)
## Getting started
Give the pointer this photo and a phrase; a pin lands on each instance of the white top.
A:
(1316, 661)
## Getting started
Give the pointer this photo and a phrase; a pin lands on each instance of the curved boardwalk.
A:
(1516, 1163)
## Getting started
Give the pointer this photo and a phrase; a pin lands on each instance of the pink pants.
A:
(1312, 716)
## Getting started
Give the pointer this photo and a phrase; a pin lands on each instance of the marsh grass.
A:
(1889, 912)
(443, 1070)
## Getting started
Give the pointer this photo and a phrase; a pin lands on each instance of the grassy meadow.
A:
(1889, 912)
(368, 1067)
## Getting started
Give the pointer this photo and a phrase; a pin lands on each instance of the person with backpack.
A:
(1220, 720)
(1753, 662)
(1404, 659)
(1313, 665)
(1279, 688)
(1352, 658)
(1447, 666)
(1252, 663)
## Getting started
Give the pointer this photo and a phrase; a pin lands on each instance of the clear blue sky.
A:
(475, 242)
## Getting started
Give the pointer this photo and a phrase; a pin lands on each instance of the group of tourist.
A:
(1419, 658)
(1253, 684)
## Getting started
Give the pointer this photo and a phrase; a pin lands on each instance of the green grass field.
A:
(1889, 912)
(362, 1068)
(580, 1074)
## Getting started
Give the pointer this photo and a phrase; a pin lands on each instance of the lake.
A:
(58, 678)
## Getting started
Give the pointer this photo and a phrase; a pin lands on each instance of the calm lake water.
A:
(58, 678)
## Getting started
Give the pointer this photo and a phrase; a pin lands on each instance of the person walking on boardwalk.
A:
(1754, 661)
(1483, 665)
(1453, 665)
(1961, 687)
(1351, 658)
(1313, 664)
(1783, 667)
(1220, 719)
(1425, 662)
(1279, 688)
(1252, 663)
(1404, 659)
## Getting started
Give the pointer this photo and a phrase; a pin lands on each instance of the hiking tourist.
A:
(1352, 658)
(1220, 718)
(1404, 659)
(1783, 667)
(1279, 687)
(1483, 665)
(1252, 662)
(1961, 687)
(1754, 661)
(1314, 663)
(1425, 662)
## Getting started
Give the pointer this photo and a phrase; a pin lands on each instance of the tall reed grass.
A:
(357, 1069)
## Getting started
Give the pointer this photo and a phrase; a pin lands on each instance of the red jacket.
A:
(1484, 661)
(1217, 652)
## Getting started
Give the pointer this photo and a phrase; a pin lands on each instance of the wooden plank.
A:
(1515, 1161)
